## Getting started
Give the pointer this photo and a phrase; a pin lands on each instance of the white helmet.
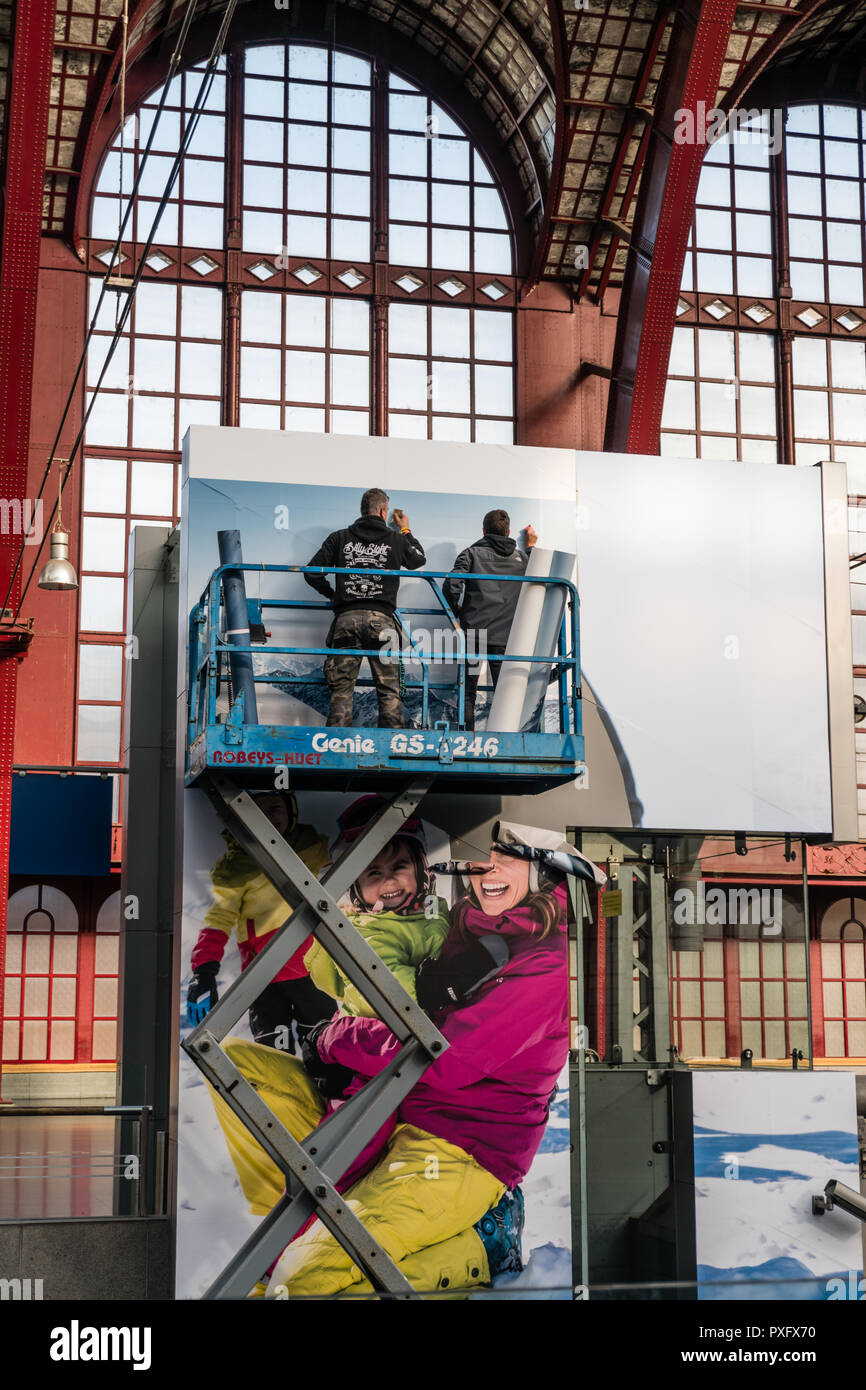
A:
(549, 853)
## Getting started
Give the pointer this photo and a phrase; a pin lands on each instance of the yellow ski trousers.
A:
(420, 1200)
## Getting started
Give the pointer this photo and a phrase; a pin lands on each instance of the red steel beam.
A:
(698, 46)
(26, 135)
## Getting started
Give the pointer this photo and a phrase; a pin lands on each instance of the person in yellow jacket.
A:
(246, 903)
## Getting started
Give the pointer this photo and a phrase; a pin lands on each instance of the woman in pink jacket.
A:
(472, 1124)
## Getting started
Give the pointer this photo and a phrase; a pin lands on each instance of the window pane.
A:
(261, 320)
(350, 379)
(154, 366)
(407, 328)
(848, 361)
(493, 335)
(263, 186)
(103, 544)
(100, 672)
(263, 98)
(450, 388)
(101, 604)
(307, 190)
(201, 312)
(407, 154)
(155, 309)
(451, 203)
(305, 376)
(98, 733)
(152, 488)
(494, 390)
(408, 245)
(407, 200)
(105, 485)
(407, 384)
(757, 358)
(450, 158)
(492, 253)
(260, 373)
(450, 329)
(350, 323)
(305, 235)
(153, 422)
(350, 241)
(264, 140)
(305, 320)
(716, 353)
(350, 149)
(450, 251)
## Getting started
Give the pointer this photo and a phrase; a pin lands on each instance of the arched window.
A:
(843, 971)
(769, 353)
(336, 257)
(41, 983)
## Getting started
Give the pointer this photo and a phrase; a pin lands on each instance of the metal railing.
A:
(44, 1177)
(209, 650)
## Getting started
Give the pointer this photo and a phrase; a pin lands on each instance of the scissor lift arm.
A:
(312, 1167)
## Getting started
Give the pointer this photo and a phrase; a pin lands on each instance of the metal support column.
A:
(314, 1166)
(642, 1014)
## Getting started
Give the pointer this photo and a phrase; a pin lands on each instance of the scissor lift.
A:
(227, 752)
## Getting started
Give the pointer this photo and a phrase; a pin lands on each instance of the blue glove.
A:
(202, 993)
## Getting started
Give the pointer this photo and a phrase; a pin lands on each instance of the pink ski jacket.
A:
(489, 1093)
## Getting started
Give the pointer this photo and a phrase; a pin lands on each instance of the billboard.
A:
(658, 709)
(714, 637)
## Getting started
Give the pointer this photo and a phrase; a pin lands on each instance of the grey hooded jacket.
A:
(487, 605)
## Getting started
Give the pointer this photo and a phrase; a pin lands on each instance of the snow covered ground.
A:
(764, 1144)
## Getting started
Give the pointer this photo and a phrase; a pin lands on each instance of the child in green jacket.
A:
(393, 903)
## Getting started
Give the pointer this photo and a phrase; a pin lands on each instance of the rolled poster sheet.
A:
(534, 631)
(562, 566)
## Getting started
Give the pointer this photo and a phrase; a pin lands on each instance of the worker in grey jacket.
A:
(485, 606)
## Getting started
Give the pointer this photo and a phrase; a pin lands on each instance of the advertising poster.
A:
(468, 1185)
(764, 1145)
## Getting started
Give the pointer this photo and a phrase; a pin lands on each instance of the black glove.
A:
(441, 982)
(331, 1078)
(202, 993)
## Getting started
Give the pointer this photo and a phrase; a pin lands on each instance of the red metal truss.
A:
(26, 131)
(693, 70)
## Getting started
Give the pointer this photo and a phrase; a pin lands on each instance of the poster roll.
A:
(534, 631)
(561, 567)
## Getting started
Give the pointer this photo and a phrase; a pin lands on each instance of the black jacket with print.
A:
(369, 543)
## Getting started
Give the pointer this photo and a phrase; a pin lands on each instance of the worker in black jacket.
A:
(485, 606)
(364, 604)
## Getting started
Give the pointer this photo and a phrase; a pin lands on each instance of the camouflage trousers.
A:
(360, 628)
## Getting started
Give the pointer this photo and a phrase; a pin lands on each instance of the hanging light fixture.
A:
(57, 572)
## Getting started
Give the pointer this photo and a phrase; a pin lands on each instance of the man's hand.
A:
(531, 537)
(400, 520)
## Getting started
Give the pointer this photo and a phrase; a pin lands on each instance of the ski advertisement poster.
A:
(466, 1185)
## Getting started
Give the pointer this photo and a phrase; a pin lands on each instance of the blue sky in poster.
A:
(443, 523)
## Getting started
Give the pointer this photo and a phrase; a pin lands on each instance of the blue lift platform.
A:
(435, 743)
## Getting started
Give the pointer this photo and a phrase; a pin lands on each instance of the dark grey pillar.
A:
(148, 1022)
